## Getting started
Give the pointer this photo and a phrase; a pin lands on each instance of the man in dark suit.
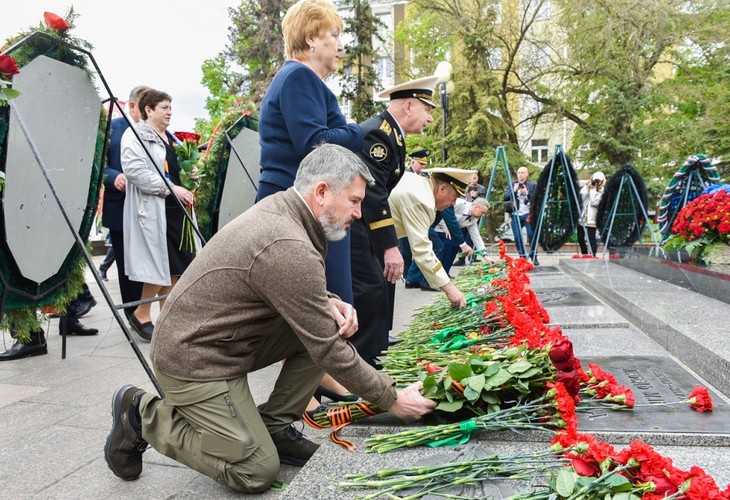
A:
(377, 263)
(115, 184)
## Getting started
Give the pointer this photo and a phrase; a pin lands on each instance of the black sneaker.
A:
(124, 445)
(293, 447)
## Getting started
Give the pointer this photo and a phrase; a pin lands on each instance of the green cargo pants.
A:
(216, 428)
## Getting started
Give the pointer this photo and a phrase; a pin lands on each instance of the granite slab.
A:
(566, 297)
(660, 386)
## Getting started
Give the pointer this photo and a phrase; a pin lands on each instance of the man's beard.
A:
(332, 230)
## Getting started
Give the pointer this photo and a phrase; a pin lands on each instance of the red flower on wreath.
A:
(8, 68)
(56, 23)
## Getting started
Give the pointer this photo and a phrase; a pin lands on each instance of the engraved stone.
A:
(568, 296)
(662, 383)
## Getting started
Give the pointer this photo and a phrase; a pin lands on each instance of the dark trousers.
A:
(373, 297)
(517, 228)
(414, 274)
(591, 239)
(131, 290)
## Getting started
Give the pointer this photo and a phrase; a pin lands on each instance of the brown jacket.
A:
(262, 269)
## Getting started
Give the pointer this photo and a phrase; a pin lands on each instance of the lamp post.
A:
(446, 87)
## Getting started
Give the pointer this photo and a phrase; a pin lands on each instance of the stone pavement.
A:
(56, 413)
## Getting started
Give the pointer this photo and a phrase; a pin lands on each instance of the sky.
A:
(159, 43)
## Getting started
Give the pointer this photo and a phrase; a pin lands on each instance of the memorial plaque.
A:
(568, 296)
(658, 384)
(242, 177)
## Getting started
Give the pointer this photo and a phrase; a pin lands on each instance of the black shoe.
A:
(535, 262)
(124, 445)
(144, 330)
(427, 288)
(333, 396)
(74, 327)
(411, 284)
(103, 275)
(36, 346)
(293, 447)
(81, 306)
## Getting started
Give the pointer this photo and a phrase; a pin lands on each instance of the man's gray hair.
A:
(332, 164)
(136, 91)
(480, 202)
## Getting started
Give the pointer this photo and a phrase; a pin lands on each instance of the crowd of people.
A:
(306, 277)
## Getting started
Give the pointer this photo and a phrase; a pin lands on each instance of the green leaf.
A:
(528, 374)
(450, 406)
(470, 394)
(429, 381)
(498, 379)
(519, 366)
(475, 382)
(492, 368)
(491, 398)
(625, 496)
(458, 371)
(618, 482)
(7, 93)
(565, 482)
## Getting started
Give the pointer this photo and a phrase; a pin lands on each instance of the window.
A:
(540, 150)
(494, 58)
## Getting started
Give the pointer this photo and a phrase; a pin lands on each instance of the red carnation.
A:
(56, 23)
(8, 67)
(700, 399)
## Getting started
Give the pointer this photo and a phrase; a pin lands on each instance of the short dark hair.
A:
(151, 98)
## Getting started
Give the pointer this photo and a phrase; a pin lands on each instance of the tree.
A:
(479, 118)
(359, 78)
(224, 86)
(257, 43)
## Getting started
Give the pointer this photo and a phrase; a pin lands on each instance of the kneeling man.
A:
(253, 296)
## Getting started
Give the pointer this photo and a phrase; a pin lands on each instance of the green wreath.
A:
(51, 39)
(214, 164)
(673, 198)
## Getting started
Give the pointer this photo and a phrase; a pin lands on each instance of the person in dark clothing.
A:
(376, 262)
(115, 185)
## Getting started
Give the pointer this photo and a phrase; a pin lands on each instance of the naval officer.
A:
(376, 262)
(414, 203)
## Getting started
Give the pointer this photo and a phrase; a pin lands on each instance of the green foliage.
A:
(358, 74)
(224, 85)
(22, 314)
(484, 380)
(256, 43)
(48, 45)
(214, 163)
(478, 119)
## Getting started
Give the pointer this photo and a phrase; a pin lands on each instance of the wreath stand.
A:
(500, 156)
(636, 205)
(696, 174)
(573, 199)
(79, 241)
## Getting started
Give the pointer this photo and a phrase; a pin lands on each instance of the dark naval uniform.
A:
(385, 154)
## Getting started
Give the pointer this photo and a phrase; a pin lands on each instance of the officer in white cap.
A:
(377, 263)
(414, 203)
